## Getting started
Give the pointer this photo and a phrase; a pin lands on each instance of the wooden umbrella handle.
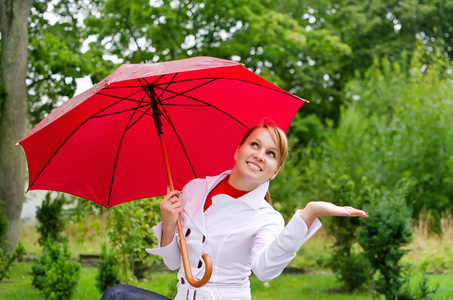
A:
(186, 262)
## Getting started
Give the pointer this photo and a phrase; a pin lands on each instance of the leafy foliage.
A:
(393, 129)
(50, 218)
(56, 58)
(55, 274)
(406, 133)
(131, 232)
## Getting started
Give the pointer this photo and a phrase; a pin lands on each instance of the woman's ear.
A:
(275, 173)
(236, 154)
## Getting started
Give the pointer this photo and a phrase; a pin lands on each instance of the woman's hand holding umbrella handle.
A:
(317, 209)
(170, 208)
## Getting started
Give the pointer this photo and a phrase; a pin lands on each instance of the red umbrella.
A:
(102, 145)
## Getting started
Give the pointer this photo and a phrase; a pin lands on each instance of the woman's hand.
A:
(317, 209)
(170, 208)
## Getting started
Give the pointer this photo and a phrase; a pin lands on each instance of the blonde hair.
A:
(280, 139)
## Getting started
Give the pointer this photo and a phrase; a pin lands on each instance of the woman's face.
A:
(257, 158)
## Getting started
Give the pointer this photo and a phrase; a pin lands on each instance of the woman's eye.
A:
(254, 144)
(271, 154)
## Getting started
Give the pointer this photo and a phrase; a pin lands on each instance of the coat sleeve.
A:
(275, 245)
(171, 254)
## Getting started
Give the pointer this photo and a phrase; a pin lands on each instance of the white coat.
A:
(240, 235)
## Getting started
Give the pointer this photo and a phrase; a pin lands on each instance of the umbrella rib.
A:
(167, 117)
(122, 98)
(118, 151)
(138, 119)
(67, 138)
(123, 111)
(203, 104)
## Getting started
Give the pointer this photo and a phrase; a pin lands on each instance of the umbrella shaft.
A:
(167, 165)
(156, 112)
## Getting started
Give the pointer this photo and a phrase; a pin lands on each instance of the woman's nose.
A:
(259, 155)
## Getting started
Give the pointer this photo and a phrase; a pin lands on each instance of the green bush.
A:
(50, 218)
(382, 237)
(347, 261)
(108, 270)
(55, 274)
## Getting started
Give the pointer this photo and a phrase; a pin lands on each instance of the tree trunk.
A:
(13, 109)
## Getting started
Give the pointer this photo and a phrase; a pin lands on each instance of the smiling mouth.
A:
(254, 166)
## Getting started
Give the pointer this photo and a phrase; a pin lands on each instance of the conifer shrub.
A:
(347, 260)
(382, 237)
(108, 270)
(55, 274)
(50, 218)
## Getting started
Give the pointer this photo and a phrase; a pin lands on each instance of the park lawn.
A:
(291, 286)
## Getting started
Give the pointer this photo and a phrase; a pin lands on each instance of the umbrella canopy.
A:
(102, 144)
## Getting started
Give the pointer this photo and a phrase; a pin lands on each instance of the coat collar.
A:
(194, 209)
(254, 198)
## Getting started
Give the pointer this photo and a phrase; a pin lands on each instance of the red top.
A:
(223, 188)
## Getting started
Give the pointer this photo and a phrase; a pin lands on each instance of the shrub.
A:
(131, 232)
(347, 261)
(50, 218)
(382, 237)
(108, 270)
(6, 261)
(55, 274)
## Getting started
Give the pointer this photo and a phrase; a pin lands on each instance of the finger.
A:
(358, 213)
(172, 194)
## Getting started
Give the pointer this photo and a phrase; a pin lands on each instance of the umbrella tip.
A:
(26, 192)
(16, 144)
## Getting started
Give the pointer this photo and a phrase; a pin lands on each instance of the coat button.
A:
(188, 232)
(182, 280)
(200, 263)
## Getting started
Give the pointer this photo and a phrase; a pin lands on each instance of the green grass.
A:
(428, 253)
(285, 287)
(301, 286)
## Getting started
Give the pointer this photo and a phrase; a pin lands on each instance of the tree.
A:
(13, 109)
(56, 57)
(370, 29)
(267, 41)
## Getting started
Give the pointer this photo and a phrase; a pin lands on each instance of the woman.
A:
(230, 218)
